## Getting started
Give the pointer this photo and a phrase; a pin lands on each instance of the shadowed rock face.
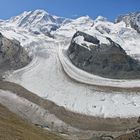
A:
(12, 54)
(107, 60)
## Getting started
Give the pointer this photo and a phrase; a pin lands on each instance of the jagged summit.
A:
(41, 11)
(33, 17)
(38, 21)
(131, 20)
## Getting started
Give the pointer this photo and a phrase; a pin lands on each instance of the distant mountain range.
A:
(42, 21)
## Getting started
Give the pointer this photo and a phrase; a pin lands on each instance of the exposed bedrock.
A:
(12, 54)
(105, 58)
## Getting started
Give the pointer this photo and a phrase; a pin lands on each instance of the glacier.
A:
(52, 76)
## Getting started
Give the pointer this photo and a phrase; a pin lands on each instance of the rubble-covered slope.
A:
(13, 127)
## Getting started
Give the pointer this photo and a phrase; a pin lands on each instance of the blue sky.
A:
(70, 8)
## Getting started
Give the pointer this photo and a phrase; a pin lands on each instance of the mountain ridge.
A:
(131, 20)
(39, 21)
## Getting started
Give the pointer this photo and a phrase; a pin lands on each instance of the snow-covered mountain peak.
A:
(83, 23)
(32, 18)
(131, 20)
(100, 18)
(84, 19)
(41, 11)
(38, 21)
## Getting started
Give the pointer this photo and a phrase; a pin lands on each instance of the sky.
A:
(70, 8)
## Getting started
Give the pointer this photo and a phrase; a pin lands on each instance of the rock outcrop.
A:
(105, 59)
(12, 54)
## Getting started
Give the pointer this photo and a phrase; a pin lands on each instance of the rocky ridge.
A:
(131, 20)
(107, 59)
